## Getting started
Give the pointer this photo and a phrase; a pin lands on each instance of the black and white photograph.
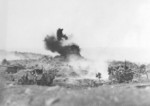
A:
(74, 52)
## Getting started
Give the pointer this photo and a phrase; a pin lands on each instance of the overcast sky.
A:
(92, 23)
(3, 23)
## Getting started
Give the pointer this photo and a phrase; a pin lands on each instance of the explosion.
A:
(56, 44)
(71, 51)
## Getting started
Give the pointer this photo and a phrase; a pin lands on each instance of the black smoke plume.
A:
(55, 44)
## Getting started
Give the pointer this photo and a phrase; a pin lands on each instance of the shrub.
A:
(13, 69)
(121, 71)
(5, 62)
(32, 77)
(143, 70)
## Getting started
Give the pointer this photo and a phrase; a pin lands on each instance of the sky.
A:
(3, 23)
(90, 23)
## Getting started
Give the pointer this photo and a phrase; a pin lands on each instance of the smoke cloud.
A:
(56, 44)
(83, 65)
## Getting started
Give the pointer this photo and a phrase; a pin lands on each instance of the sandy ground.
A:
(106, 95)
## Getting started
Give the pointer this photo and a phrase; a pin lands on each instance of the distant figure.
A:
(98, 75)
(60, 35)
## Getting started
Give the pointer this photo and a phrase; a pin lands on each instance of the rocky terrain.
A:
(64, 87)
(114, 95)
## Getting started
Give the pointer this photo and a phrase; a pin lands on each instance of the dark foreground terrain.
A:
(106, 95)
